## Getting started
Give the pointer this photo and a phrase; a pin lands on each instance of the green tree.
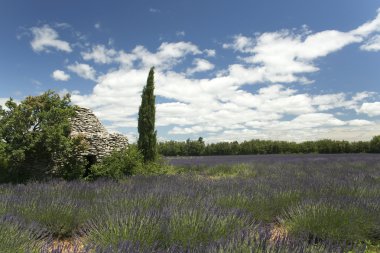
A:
(36, 142)
(375, 144)
(147, 141)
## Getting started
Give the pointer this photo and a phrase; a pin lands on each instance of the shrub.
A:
(118, 164)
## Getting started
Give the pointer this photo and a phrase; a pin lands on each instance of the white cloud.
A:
(100, 54)
(329, 101)
(285, 56)
(219, 106)
(97, 26)
(312, 120)
(242, 44)
(345, 132)
(210, 52)
(45, 38)
(362, 95)
(339, 100)
(166, 56)
(372, 45)
(200, 65)
(371, 109)
(368, 27)
(83, 70)
(60, 75)
(213, 106)
(194, 130)
(360, 122)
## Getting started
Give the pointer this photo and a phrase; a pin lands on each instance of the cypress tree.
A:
(147, 112)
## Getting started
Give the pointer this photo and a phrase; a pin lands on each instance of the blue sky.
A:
(225, 70)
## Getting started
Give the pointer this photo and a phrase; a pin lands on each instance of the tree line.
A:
(253, 147)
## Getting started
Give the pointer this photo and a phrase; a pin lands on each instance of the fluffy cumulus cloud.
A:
(285, 56)
(99, 54)
(200, 65)
(248, 99)
(371, 109)
(46, 38)
(60, 75)
(83, 70)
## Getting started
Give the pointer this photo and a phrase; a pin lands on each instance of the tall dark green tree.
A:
(147, 141)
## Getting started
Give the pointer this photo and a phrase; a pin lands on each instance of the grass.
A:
(319, 207)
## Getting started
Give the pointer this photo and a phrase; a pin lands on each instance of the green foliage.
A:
(330, 222)
(146, 121)
(196, 148)
(119, 164)
(375, 144)
(35, 139)
(3, 161)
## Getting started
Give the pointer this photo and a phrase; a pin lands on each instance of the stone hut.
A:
(100, 141)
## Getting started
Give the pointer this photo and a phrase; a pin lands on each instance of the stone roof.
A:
(100, 141)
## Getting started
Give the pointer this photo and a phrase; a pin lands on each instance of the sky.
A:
(225, 70)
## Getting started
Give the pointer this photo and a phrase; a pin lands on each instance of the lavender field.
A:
(274, 203)
(272, 158)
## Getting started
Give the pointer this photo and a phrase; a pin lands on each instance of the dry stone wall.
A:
(100, 141)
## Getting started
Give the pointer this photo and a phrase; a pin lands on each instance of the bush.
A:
(118, 164)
